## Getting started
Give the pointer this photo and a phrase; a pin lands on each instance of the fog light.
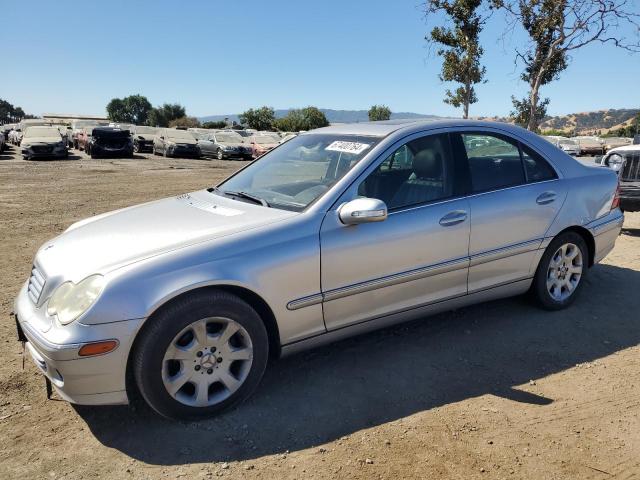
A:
(98, 348)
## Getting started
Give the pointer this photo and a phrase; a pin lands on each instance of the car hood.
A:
(42, 140)
(182, 141)
(112, 240)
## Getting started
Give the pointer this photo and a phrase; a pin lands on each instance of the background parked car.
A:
(171, 142)
(15, 135)
(2, 142)
(143, 138)
(569, 146)
(43, 142)
(625, 161)
(78, 125)
(614, 142)
(590, 145)
(261, 144)
(109, 142)
(83, 137)
(225, 145)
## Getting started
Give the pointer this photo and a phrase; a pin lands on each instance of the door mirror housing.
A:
(363, 210)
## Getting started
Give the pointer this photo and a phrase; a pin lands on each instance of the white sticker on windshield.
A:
(348, 147)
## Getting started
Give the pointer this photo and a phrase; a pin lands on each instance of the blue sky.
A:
(217, 57)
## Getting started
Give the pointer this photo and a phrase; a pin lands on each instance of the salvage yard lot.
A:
(499, 390)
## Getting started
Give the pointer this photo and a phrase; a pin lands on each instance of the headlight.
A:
(70, 300)
(614, 161)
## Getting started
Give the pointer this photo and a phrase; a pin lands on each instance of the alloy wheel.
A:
(207, 361)
(564, 271)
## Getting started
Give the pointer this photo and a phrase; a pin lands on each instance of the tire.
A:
(219, 154)
(559, 279)
(136, 147)
(171, 333)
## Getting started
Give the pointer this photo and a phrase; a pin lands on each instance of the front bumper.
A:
(51, 152)
(630, 196)
(180, 151)
(96, 380)
(97, 149)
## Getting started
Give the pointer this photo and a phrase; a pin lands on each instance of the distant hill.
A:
(591, 122)
(334, 116)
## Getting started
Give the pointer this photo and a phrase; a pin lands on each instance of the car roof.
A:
(385, 128)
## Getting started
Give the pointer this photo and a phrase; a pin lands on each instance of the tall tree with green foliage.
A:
(132, 109)
(459, 46)
(379, 112)
(10, 113)
(162, 116)
(521, 112)
(259, 119)
(555, 29)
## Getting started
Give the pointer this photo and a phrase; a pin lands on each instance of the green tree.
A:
(132, 109)
(215, 125)
(185, 122)
(162, 116)
(116, 110)
(521, 112)
(555, 29)
(459, 47)
(302, 119)
(379, 112)
(259, 119)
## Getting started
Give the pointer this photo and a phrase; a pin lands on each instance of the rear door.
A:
(515, 196)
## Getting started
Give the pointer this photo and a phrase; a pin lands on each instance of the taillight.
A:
(616, 197)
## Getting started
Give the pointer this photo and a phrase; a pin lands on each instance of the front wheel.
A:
(203, 354)
(219, 154)
(561, 272)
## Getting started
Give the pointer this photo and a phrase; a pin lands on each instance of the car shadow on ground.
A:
(322, 395)
(632, 232)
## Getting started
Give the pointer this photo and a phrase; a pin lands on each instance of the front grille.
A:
(631, 168)
(113, 144)
(42, 148)
(36, 284)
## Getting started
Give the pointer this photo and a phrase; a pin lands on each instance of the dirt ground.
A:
(499, 390)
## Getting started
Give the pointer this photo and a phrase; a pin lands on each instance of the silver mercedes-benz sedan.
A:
(335, 232)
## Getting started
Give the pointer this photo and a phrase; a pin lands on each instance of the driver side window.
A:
(418, 172)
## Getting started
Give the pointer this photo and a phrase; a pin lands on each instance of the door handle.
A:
(545, 198)
(453, 218)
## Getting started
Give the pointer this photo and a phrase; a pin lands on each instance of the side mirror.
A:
(161, 137)
(363, 210)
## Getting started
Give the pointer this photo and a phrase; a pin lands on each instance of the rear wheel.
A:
(219, 154)
(203, 354)
(561, 272)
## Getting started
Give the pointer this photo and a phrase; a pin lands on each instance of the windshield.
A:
(265, 139)
(180, 134)
(298, 172)
(567, 142)
(146, 130)
(33, 132)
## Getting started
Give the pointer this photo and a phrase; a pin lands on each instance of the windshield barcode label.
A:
(348, 147)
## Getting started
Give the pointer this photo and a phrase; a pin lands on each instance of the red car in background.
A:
(261, 144)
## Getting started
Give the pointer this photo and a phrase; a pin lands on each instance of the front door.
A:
(417, 256)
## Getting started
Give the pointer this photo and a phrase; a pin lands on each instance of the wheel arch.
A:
(256, 301)
(588, 239)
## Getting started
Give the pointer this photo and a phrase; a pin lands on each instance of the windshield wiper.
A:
(248, 196)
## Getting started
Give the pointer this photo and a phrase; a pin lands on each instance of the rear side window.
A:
(536, 167)
(494, 162)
